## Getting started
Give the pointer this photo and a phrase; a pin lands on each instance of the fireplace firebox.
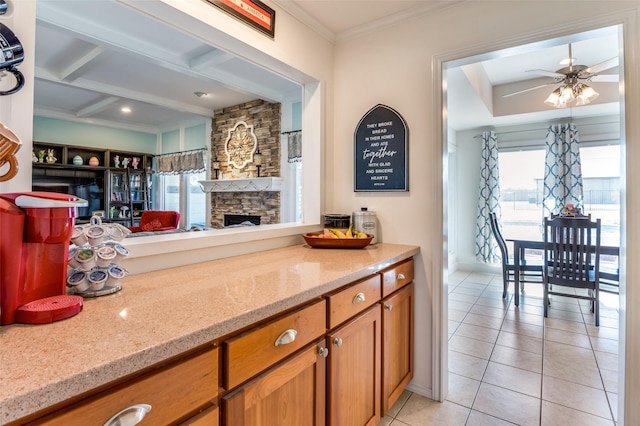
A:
(239, 219)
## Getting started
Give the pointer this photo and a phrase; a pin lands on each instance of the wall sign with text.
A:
(252, 12)
(381, 151)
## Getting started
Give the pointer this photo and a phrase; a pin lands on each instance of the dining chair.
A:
(528, 270)
(572, 253)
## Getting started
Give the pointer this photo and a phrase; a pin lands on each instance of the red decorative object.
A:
(157, 220)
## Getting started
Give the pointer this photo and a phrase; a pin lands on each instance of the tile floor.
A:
(511, 365)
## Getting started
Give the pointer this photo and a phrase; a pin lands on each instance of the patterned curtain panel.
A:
(489, 200)
(294, 146)
(563, 173)
(180, 162)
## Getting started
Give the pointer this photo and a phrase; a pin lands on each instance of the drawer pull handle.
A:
(388, 307)
(323, 352)
(401, 276)
(337, 341)
(130, 416)
(359, 298)
(286, 337)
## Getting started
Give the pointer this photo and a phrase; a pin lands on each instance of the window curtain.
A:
(563, 172)
(294, 147)
(489, 199)
(186, 162)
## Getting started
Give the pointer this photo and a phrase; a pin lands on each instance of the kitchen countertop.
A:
(163, 313)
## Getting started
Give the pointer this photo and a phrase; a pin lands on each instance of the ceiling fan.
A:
(572, 80)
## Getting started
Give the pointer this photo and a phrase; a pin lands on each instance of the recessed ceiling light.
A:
(125, 110)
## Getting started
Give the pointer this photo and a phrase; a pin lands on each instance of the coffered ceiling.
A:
(95, 57)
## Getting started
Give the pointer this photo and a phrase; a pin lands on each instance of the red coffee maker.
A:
(35, 231)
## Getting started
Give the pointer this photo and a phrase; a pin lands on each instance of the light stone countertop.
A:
(163, 313)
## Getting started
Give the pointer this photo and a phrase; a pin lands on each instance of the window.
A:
(521, 174)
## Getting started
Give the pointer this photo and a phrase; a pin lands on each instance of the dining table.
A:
(520, 246)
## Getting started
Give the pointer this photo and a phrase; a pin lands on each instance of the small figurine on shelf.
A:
(116, 161)
(34, 157)
(50, 156)
(112, 212)
(125, 162)
(135, 162)
(41, 155)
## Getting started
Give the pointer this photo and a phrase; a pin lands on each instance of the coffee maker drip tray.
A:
(49, 309)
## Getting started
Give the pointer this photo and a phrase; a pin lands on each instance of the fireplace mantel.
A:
(242, 185)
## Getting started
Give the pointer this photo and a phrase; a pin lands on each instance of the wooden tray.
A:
(337, 243)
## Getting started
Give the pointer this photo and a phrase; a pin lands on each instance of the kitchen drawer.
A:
(260, 348)
(396, 277)
(173, 392)
(352, 300)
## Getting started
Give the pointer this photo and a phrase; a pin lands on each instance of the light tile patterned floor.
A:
(511, 365)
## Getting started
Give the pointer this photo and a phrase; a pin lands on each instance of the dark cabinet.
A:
(114, 182)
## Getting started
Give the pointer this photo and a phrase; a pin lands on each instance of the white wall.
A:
(395, 67)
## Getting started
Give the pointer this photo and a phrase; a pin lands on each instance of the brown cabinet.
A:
(260, 348)
(397, 344)
(397, 276)
(353, 385)
(342, 359)
(353, 299)
(173, 393)
(291, 394)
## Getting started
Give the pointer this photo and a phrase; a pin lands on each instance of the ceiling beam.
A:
(97, 107)
(119, 92)
(76, 69)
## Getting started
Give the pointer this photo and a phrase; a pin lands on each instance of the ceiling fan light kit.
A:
(571, 91)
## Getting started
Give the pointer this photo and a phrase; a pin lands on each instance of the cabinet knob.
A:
(323, 352)
(286, 337)
(388, 307)
(401, 276)
(337, 341)
(130, 416)
(359, 298)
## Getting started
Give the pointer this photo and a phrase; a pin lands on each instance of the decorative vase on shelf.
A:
(77, 161)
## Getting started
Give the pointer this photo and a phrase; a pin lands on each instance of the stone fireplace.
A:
(265, 119)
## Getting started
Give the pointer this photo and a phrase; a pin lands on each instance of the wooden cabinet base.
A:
(397, 345)
(354, 371)
(292, 394)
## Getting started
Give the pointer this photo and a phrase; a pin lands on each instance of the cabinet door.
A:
(139, 194)
(397, 345)
(118, 202)
(208, 417)
(291, 394)
(354, 371)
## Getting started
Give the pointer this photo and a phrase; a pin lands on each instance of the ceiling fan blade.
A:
(547, 73)
(609, 63)
(605, 78)
(528, 90)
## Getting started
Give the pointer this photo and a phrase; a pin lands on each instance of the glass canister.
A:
(338, 222)
(367, 222)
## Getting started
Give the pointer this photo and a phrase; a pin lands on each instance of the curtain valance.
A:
(180, 162)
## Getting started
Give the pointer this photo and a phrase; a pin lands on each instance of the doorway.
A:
(454, 225)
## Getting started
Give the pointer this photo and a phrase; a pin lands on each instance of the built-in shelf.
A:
(242, 185)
